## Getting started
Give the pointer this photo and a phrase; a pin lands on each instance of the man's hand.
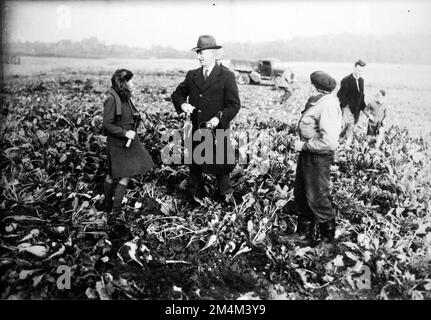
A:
(299, 145)
(187, 108)
(371, 117)
(213, 122)
(130, 134)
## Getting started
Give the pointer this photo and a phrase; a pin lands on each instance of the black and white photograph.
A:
(235, 152)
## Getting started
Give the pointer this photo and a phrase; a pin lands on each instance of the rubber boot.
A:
(120, 192)
(108, 192)
(327, 233)
(303, 234)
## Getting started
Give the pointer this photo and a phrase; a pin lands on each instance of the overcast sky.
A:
(179, 23)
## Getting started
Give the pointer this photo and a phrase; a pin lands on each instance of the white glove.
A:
(213, 122)
(187, 108)
(299, 145)
(130, 134)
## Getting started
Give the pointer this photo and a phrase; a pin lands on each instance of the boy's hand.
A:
(299, 145)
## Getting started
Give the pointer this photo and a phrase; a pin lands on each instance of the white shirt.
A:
(209, 70)
(357, 82)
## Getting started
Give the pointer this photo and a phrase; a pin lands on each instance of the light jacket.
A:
(320, 124)
(287, 78)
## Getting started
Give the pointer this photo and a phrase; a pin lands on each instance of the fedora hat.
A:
(206, 42)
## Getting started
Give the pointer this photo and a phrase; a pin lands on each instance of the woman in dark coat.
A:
(124, 162)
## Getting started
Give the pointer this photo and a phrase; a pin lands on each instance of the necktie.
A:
(206, 74)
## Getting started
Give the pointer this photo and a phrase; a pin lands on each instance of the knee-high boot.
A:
(108, 192)
(327, 233)
(120, 191)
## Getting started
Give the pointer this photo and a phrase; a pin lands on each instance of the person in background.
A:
(376, 111)
(120, 118)
(210, 95)
(352, 100)
(319, 128)
(287, 79)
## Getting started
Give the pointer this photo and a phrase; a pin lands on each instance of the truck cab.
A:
(255, 71)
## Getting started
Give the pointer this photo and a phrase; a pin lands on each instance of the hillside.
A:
(407, 49)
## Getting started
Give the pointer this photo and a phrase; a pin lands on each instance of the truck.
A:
(11, 59)
(255, 71)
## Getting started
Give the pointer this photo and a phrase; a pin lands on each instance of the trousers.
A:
(224, 183)
(312, 188)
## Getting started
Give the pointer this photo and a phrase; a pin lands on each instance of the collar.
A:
(355, 77)
(117, 101)
(314, 99)
(210, 68)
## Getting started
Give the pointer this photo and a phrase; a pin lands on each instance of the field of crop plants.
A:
(53, 161)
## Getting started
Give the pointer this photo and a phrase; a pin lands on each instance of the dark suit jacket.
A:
(349, 95)
(217, 96)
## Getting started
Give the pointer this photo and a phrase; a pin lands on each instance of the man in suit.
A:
(213, 100)
(352, 100)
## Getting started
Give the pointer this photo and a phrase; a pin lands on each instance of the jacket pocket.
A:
(306, 127)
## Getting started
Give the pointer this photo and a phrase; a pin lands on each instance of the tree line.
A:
(410, 49)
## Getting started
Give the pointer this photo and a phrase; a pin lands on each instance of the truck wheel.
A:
(243, 78)
(277, 81)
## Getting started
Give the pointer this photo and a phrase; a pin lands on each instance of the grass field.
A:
(408, 87)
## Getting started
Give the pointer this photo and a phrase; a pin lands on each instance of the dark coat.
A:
(122, 161)
(216, 97)
(349, 95)
(219, 93)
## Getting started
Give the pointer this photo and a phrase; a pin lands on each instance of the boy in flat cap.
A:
(319, 128)
(210, 95)
(352, 100)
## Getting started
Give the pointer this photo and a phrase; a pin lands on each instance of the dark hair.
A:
(382, 92)
(360, 63)
(118, 80)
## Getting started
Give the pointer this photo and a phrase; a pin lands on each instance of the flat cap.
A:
(323, 81)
